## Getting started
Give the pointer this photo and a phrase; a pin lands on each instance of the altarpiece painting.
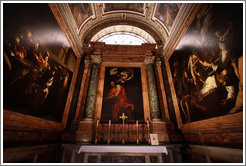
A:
(122, 94)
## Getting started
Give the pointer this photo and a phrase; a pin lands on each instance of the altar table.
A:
(102, 153)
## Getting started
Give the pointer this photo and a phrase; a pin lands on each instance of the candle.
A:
(97, 122)
(137, 122)
(109, 122)
(148, 123)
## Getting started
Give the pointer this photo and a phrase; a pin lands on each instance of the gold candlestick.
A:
(148, 131)
(137, 132)
(96, 131)
(109, 125)
(123, 117)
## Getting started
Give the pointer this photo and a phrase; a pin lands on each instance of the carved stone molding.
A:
(159, 33)
(149, 10)
(98, 9)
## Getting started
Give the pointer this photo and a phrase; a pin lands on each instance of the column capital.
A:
(96, 59)
(158, 63)
(87, 61)
(149, 60)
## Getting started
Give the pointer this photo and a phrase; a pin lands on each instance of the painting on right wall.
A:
(207, 64)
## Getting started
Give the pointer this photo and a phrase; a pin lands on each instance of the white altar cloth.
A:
(117, 149)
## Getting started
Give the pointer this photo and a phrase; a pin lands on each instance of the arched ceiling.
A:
(88, 22)
(123, 28)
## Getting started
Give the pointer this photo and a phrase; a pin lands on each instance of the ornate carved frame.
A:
(99, 97)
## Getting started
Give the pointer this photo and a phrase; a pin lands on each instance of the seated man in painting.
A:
(215, 98)
(121, 104)
(219, 80)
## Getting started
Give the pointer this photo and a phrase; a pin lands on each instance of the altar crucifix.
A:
(123, 117)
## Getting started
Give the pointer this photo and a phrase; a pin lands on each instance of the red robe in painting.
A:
(121, 103)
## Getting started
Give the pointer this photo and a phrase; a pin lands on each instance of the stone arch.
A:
(97, 26)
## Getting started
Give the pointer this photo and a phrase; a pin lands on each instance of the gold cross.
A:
(123, 117)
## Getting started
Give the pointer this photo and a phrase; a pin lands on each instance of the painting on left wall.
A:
(38, 61)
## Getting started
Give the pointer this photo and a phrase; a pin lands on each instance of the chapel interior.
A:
(122, 83)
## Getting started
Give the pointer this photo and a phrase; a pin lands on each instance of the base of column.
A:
(80, 131)
(87, 120)
(157, 121)
(165, 131)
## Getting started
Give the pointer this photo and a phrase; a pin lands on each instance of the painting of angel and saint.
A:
(167, 12)
(122, 94)
(38, 61)
(80, 12)
(137, 7)
(207, 64)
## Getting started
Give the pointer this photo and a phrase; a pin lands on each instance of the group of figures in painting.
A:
(29, 73)
(33, 73)
(208, 76)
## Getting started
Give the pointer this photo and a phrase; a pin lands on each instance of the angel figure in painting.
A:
(192, 65)
(124, 75)
(118, 92)
(224, 56)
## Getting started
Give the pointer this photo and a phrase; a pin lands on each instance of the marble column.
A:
(154, 102)
(91, 97)
(83, 90)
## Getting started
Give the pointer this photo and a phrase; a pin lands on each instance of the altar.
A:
(121, 153)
